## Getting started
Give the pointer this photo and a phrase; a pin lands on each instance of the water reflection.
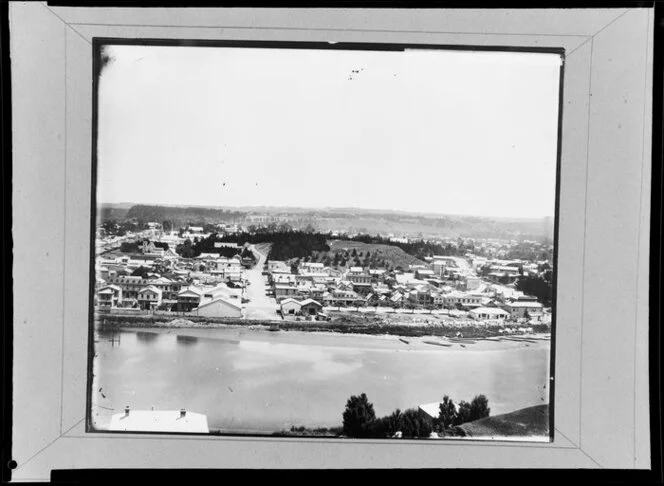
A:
(266, 383)
(187, 340)
(146, 337)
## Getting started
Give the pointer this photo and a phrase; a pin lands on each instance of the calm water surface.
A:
(259, 381)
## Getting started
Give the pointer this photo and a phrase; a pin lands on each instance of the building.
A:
(438, 267)
(159, 421)
(109, 296)
(277, 265)
(466, 301)
(131, 285)
(188, 299)
(311, 267)
(489, 313)
(219, 307)
(149, 297)
(343, 297)
(421, 296)
(284, 290)
(472, 283)
(290, 307)
(310, 307)
(227, 265)
(518, 309)
(424, 273)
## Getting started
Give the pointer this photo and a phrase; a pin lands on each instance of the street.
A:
(260, 306)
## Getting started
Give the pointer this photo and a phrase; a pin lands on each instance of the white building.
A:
(159, 421)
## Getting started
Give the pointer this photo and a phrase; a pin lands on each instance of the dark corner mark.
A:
(6, 244)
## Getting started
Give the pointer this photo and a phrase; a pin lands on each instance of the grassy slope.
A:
(531, 421)
(391, 254)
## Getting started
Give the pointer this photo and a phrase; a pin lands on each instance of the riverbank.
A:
(378, 327)
(377, 342)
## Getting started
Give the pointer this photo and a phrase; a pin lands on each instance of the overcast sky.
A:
(451, 132)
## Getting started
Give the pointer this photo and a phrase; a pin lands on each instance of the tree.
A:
(448, 414)
(358, 417)
(413, 424)
(537, 287)
(479, 408)
(140, 272)
(463, 414)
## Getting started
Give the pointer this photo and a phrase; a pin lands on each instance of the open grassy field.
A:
(368, 253)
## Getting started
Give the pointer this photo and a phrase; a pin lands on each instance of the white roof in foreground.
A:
(159, 421)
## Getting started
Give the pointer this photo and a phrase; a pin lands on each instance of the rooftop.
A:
(159, 421)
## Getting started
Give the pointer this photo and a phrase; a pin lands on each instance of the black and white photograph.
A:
(332, 239)
(340, 242)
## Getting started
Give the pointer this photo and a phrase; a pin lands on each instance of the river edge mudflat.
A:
(388, 342)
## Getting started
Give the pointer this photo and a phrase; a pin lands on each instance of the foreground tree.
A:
(479, 408)
(358, 417)
(448, 414)
(413, 424)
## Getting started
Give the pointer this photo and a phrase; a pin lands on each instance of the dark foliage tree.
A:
(479, 408)
(140, 272)
(413, 424)
(447, 414)
(537, 287)
(358, 417)
(463, 414)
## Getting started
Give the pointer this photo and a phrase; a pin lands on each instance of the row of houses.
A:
(419, 288)
(218, 301)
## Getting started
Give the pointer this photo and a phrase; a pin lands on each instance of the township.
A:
(468, 290)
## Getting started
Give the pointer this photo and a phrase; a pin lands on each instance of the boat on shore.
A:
(437, 343)
(404, 341)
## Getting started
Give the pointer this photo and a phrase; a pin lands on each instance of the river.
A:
(256, 381)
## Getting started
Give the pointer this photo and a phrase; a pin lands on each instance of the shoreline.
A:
(407, 331)
(379, 342)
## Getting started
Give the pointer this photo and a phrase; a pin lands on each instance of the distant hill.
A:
(350, 220)
(531, 421)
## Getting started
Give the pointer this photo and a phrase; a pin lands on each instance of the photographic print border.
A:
(52, 108)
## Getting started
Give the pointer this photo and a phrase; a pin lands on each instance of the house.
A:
(290, 307)
(277, 265)
(438, 267)
(311, 267)
(310, 307)
(188, 299)
(488, 313)
(421, 296)
(519, 308)
(284, 290)
(219, 307)
(109, 296)
(472, 283)
(343, 297)
(149, 248)
(159, 421)
(465, 300)
(282, 278)
(424, 273)
(358, 278)
(149, 297)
